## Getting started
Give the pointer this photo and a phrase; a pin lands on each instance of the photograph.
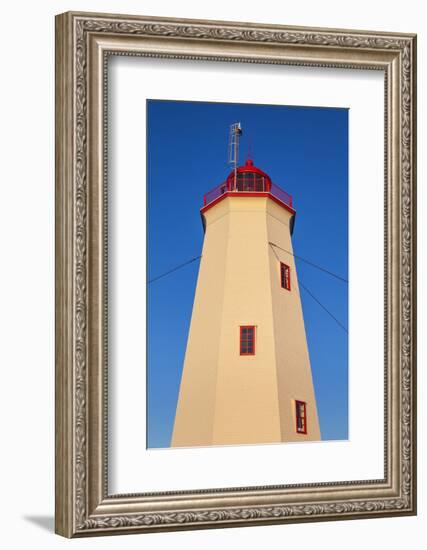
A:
(247, 318)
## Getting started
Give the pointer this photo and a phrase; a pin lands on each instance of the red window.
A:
(301, 416)
(285, 276)
(247, 340)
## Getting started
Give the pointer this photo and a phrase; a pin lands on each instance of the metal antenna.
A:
(233, 147)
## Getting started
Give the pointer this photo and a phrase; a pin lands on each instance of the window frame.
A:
(253, 327)
(298, 403)
(287, 268)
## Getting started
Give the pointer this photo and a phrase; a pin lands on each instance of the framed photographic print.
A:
(235, 274)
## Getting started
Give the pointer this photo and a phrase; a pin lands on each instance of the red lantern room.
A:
(248, 178)
(250, 181)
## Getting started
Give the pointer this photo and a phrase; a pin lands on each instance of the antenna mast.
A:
(233, 147)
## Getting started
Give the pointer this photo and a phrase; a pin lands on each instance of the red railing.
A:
(280, 194)
(247, 184)
(214, 193)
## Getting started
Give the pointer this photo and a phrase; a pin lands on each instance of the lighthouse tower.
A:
(246, 377)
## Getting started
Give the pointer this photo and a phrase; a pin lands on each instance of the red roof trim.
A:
(248, 194)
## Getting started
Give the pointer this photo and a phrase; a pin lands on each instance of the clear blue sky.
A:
(305, 151)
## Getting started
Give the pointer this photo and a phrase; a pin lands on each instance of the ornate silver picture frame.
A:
(84, 42)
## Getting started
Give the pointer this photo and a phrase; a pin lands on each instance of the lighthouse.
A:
(246, 377)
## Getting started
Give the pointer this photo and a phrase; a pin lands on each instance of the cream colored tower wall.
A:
(247, 407)
(226, 398)
(196, 402)
(294, 374)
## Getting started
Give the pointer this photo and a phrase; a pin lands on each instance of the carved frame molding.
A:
(83, 43)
